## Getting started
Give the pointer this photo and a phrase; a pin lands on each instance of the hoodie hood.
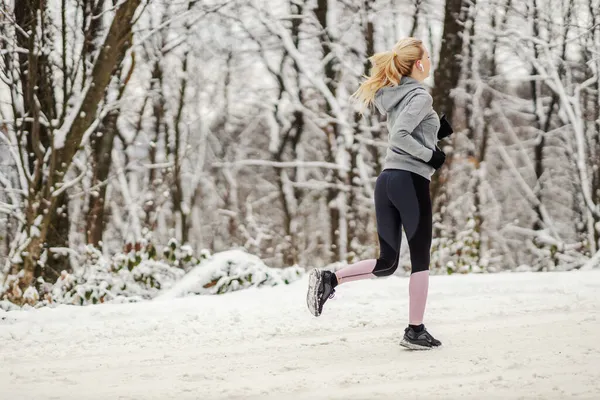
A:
(389, 97)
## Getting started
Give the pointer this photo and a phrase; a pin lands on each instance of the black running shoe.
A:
(320, 289)
(419, 340)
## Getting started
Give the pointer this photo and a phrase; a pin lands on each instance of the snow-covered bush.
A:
(11, 289)
(230, 271)
(173, 255)
(126, 278)
(459, 252)
(137, 274)
(143, 274)
(181, 256)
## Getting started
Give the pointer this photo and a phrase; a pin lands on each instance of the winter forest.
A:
(139, 138)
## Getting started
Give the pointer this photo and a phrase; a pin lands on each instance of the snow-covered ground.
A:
(506, 336)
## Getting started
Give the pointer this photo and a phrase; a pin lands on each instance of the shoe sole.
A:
(312, 300)
(414, 346)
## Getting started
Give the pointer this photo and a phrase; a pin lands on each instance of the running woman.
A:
(402, 189)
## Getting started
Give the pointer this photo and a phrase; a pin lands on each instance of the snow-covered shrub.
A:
(459, 252)
(230, 271)
(182, 256)
(11, 291)
(139, 273)
(173, 255)
(126, 278)
(551, 256)
(142, 273)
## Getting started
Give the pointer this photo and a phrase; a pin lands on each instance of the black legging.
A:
(402, 199)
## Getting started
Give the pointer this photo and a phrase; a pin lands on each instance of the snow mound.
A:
(230, 271)
(103, 282)
(138, 275)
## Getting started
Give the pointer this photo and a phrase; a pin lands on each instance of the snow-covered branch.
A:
(542, 237)
(526, 190)
(287, 41)
(593, 262)
(276, 164)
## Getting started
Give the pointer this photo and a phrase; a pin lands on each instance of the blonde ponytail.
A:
(389, 67)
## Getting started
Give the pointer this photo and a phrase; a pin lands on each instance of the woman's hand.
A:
(445, 128)
(437, 159)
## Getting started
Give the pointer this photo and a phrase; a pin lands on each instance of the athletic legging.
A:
(401, 200)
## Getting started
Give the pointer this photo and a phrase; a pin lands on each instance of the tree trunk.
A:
(595, 142)
(177, 189)
(369, 33)
(58, 237)
(38, 100)
(158, 110)
(354, 227)
(539, 148)
(332, 135)
(102, 145)
(477, 153)
(101, 140)
(447, 73)
(180, 211)
(470, 88)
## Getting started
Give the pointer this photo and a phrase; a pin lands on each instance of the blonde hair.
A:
(389, 67)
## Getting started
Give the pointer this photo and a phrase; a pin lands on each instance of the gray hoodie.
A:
(412, 126)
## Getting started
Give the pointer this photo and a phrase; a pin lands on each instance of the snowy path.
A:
(506, 336)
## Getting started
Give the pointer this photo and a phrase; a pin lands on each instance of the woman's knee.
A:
(420, 267)
(420, 251)
(420, 261)
(385, 267)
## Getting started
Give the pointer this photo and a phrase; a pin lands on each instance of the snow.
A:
(230, 271)
(31, 294)
(506, 336)
(592, 262)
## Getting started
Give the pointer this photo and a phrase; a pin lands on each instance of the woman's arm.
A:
(401, 133)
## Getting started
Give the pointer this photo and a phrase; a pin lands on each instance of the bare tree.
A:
(103, 137)
(447, 75)
(47, 149)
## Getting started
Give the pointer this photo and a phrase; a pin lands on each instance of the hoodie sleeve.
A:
(406, 122)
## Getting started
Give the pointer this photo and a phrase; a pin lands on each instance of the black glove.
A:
(445, 128)
(437, 159)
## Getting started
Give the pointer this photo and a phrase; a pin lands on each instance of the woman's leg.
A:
(400, 197)
(411, 197)
(420, 250)
(389, 233)
(322, 283)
